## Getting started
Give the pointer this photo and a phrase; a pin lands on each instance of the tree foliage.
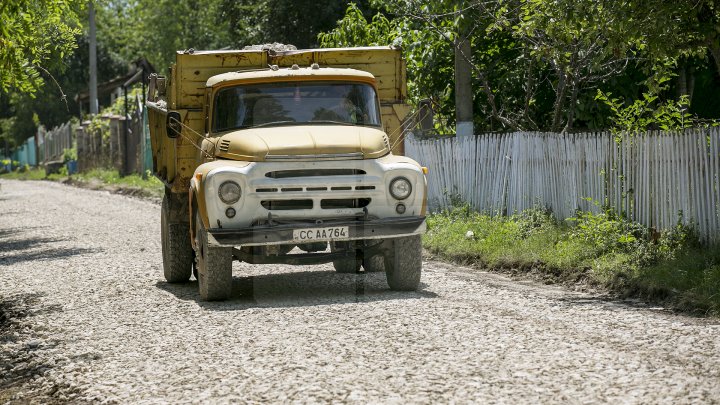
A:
(538, 64)
(34, 34)
(72, 75)
(156, 29)
(38, 35)
(428, 58)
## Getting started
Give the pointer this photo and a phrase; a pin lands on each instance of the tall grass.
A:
(98, 178)
(112, 177)
(24, 174)
(603, 249)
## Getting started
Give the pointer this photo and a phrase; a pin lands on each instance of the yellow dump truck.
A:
(286, 156)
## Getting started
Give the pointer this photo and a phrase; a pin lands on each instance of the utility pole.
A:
(463, 82)
(93, 60)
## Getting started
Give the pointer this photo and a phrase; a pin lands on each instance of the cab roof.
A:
(285, 74)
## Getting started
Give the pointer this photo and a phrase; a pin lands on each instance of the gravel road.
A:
(85, 316)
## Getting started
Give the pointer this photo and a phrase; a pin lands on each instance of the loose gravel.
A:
(85, 316)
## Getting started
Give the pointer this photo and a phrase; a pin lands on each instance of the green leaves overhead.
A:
(34, 34)
(537, 64)
(155, 29)
(355, 30)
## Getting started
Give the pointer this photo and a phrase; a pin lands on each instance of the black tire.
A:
(348, 265)
(403, 263)
(214, 264)
(374, 263)
(176, 247)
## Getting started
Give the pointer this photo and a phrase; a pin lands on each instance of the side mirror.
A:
(174, 125)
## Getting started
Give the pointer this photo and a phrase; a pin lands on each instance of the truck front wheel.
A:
(214, 265)
(403, 263)
(176, 249)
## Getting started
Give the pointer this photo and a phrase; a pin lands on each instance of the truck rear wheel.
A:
(403, 263)
(374, 263)
(176, 248)
(214, 264)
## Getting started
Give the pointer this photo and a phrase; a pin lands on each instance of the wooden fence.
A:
(655, 178)
(124, 147)
(51, 144)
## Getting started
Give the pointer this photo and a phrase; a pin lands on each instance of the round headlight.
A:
(229, 192)
(400, 188)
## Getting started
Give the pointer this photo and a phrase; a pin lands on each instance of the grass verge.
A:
(98, 179)
(602, 250)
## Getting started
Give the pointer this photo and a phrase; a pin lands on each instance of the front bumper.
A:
(283, 234)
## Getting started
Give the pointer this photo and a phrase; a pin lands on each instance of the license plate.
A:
(328, 233)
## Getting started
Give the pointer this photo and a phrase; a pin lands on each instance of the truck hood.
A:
(303, 141)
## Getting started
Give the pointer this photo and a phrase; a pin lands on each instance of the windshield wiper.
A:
(332, 122)
(273, 123)
(313, 122)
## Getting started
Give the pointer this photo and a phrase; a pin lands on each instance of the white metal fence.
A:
(656, 178)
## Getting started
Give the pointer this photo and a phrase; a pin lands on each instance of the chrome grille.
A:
(312, 189)
(285, 174)
(329, 204)
(287, 205)
(323, 189)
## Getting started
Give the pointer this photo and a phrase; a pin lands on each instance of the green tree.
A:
(427, 32)
(537, 64)
(156, 29)
(34, 34)
(578, 41)
(72, 75)
(295, 22)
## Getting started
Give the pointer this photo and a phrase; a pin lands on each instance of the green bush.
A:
(118, 107)
(101, 125)
(150, 185)
(603, 248)
(27, 173)
(607, 233)
(5, 166)
(69, 154)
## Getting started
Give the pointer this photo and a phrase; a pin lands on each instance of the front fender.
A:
(197, 188)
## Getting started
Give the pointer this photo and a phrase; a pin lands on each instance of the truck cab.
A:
(294, 166)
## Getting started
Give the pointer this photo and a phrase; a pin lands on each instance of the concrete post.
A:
(463, 86)
(93, 60)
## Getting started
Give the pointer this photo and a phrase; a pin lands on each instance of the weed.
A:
(148, 186)
(27, 174)
(602, 248)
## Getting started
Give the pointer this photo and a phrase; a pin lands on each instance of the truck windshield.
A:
(272, 104)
